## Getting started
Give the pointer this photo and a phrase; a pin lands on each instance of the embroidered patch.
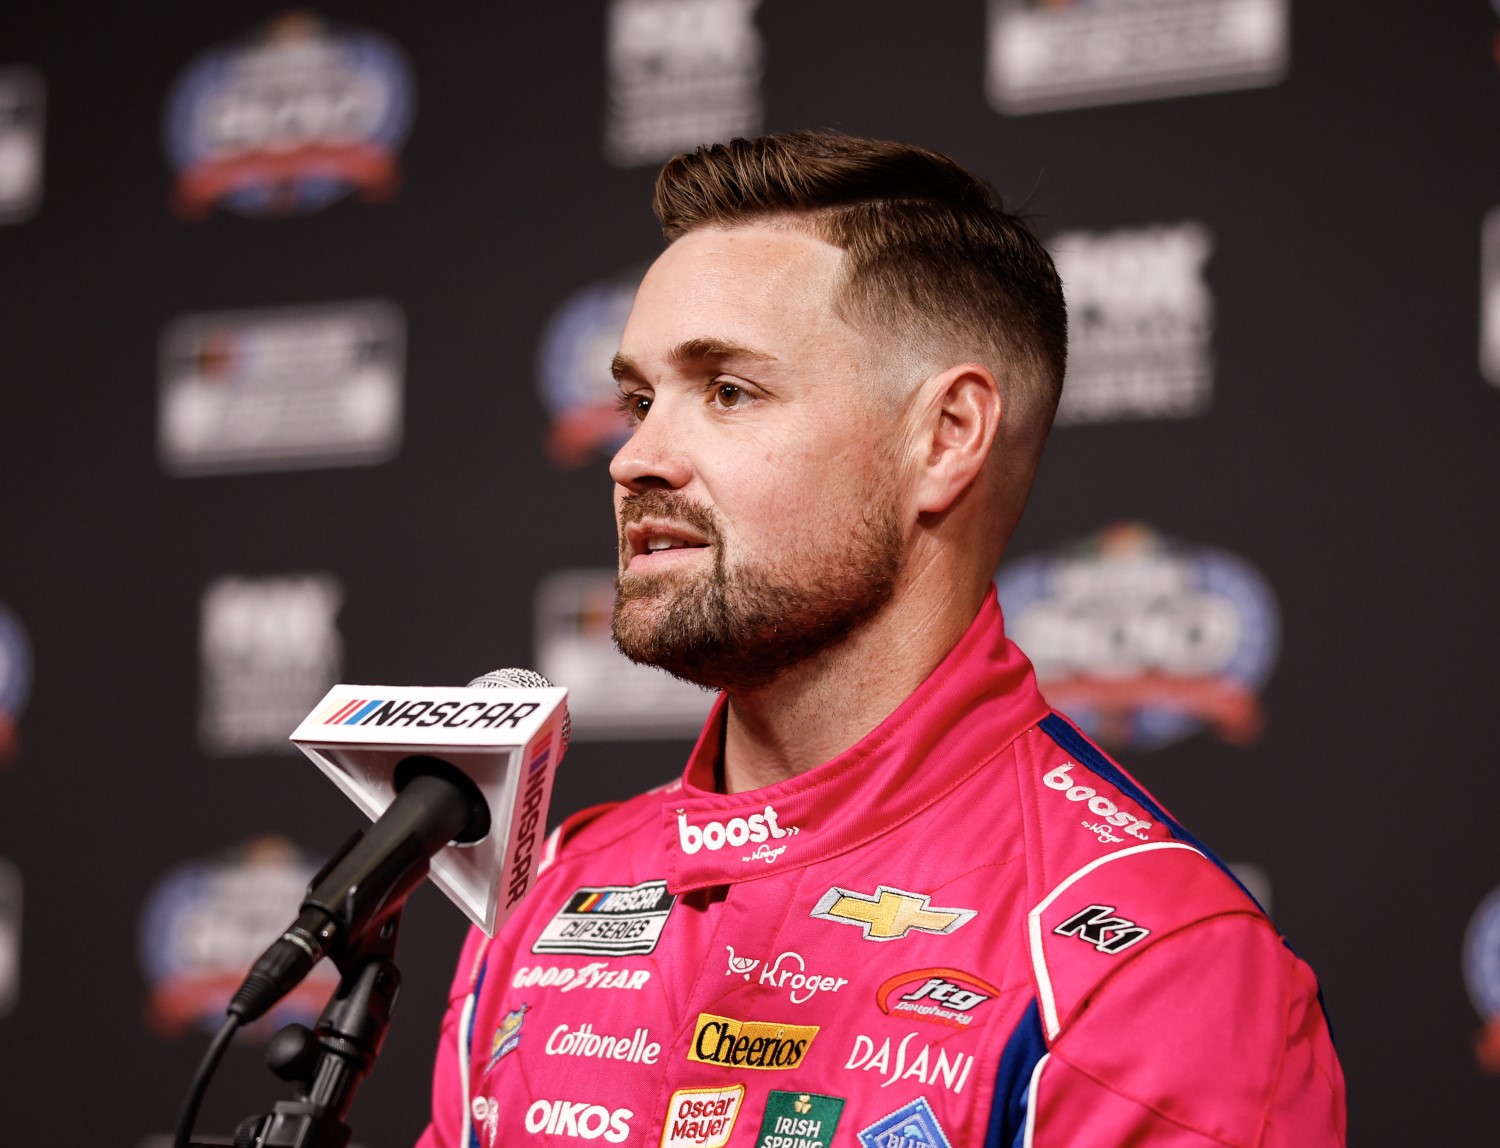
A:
(911, 1126)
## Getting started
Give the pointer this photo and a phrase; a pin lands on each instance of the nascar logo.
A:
(422, 713)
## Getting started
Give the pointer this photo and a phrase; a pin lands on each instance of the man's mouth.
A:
(650, 539)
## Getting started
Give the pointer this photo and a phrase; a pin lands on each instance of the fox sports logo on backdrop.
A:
(289, 120)
(1144, 641)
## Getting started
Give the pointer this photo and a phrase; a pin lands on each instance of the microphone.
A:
(431, 805)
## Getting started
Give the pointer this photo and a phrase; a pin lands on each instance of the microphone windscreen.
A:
(525, 679)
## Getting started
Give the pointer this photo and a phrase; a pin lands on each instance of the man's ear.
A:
(959, 420)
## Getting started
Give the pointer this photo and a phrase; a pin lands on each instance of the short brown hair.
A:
(934, 261)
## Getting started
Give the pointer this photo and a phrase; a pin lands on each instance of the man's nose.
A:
(655, 456)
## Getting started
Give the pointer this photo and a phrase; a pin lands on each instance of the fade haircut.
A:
(934, 265)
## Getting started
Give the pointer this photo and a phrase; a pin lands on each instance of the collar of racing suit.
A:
(907, 762)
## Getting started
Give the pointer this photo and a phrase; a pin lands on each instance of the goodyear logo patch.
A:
(750, 1043)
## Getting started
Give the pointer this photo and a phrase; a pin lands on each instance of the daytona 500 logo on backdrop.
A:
(1142, 640)
(288, 121)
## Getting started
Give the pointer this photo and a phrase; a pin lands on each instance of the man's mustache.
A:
(669, 504)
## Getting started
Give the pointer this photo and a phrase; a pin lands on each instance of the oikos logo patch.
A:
(1144, 641)
(288, 121)
(579, 1120)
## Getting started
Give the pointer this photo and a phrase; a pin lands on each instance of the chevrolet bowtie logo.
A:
(889, 914)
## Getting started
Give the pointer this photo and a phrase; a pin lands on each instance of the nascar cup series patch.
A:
(614, 920)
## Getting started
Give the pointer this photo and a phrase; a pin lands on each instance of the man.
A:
(894, 899)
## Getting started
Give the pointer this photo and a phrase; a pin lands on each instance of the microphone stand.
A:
(329, 1062)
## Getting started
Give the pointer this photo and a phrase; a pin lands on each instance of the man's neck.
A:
(818, 709)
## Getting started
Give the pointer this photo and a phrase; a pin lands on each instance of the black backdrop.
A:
(1346, 453)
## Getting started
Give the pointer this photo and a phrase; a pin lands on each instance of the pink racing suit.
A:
(971, 928)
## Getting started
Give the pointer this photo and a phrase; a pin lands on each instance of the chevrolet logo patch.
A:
(889, 914)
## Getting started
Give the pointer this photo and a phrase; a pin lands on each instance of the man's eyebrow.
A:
(693, 351)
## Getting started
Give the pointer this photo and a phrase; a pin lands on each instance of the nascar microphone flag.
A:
(507, 740)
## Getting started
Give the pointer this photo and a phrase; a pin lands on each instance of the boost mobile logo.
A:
(737, 831)
(1059, 779)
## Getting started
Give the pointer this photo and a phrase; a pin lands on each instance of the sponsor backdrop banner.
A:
(305, 316)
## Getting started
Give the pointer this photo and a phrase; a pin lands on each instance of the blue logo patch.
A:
(507, 1037)
(910, 1126)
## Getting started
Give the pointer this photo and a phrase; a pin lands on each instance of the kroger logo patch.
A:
(609, 919)
(912, 1125)
(702, 1117)
(1144, 641)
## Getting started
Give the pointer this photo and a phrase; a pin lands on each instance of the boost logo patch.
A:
(702, 1117)
(912, 1125)
(799, 1120)
(750, 1043)
(613, 919)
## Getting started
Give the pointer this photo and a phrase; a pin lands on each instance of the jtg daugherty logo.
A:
(759, 829)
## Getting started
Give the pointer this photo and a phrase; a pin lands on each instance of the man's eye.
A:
(633, 406)
(727, 395)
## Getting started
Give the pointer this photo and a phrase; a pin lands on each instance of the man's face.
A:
(758, 499)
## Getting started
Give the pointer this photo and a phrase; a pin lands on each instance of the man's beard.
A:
(740, 628)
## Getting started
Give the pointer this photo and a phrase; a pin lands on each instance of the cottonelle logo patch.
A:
(943, 996)
(750, 1043)
(289, 121)
(638, 1048)
(890, 914)
(799, 1120)
(702, 1117)
(609, 919)
(761, 830)
(1144, 641)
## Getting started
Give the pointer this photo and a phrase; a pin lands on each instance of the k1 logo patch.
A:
(1099, 927)
(613, 920)
(911, 1126)
(799, 1120)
